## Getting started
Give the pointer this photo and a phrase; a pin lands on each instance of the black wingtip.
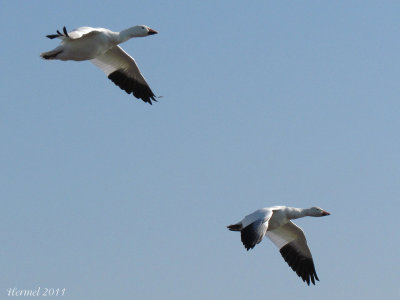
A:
(145, 99)
(301, 265)
(131, 86)
(52, 36)
(249, 247)
(251, 235)
(65, 31)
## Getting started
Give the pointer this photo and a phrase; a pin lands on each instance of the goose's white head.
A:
(142, 30)
(318, 212)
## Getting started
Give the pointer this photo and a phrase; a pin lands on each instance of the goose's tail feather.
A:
(51, 54)
(235, 227)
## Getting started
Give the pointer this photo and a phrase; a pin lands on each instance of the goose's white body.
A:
(275, 223)
(100, 46)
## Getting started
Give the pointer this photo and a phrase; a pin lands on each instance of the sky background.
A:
(266, 103)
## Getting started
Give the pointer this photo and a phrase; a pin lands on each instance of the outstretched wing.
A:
(121, 69)
(293, 247)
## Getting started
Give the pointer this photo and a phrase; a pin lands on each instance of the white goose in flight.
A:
(100, 46)
(275, 223)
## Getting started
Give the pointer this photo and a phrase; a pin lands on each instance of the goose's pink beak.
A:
(325, 213)
(152, 31)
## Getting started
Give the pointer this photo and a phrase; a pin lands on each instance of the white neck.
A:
(127, 34)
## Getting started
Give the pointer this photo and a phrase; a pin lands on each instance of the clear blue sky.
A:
(267, 103)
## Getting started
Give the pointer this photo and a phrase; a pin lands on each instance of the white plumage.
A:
(275, 223)
(100, 46)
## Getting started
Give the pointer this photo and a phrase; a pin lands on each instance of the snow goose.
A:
(275, 223)
(100, 46)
